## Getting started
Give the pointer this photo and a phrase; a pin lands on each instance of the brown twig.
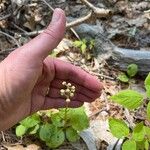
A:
(68, 26)
(79, 21)
(100, 12)
(11, 37)
(48, 5)
(5, 17)
(101, 75)
(3, 136)
(19, 28)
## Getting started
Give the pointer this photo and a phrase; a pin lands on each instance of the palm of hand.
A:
(27, 74)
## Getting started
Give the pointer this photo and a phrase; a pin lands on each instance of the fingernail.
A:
(56, 15)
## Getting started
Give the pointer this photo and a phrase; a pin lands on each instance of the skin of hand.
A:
(27, 74)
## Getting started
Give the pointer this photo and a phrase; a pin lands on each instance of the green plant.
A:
(82, 44)
(56, 127)
(132, 70)
(85, 47)
(138, 137)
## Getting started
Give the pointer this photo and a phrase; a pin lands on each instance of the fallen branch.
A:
(99, 12)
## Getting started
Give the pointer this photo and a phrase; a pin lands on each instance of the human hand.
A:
(27, 74)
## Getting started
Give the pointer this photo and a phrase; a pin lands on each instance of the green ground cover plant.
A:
(56, 127)
(138, 137)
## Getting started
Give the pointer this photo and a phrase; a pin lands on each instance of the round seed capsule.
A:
(62, 91)
(64, 83)
(73, 88)
(67, 91)
(62, 94)
(67, 100)
(69, 84)
(71, 94)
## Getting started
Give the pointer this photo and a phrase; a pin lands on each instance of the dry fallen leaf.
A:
(20, 147)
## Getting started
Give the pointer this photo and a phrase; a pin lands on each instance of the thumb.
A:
(40, 46)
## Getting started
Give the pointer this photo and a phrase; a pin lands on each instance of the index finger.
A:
(67, 71)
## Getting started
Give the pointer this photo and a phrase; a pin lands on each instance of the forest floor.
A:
(127, 27)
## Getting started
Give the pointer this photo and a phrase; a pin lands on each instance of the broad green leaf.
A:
(128, 98)
(118, 128)
(123, 77)
(46, 132)
(138, 132)
(34, 129)
(83, 48)
(146, 144)
(57, 120)
(57, 139)
(129, 145)
(79, 119)
(132, 70)
(147, 132)
(148, 111)
(147, 85)
(20, 130)
(72, 135)
(31, 121)
(140, 145)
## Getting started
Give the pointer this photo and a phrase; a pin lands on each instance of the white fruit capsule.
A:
(73, 88)
(64, 83)
(73, 91)
(69, 84)
(71, 94)
(62, 94)
(67, 100)
(67, 91)
(62, 91)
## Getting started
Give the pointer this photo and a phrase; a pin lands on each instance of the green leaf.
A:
(147, 132)
(129, 145)
(147, 85)
(84, 41)
(46, 132)
(118, 128)
(34, 129)
(31, 121)
(20, 130)
(77, 43)
(123, 77)
(148, 111)
(72, 135)
(57, 120)
(140, 145)
(92, 44)
(57, 139)
(79, 119)
(146, 144)
(128, 98)
(54, 53)
(83, 48)
(132, 70)
(138, 132)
